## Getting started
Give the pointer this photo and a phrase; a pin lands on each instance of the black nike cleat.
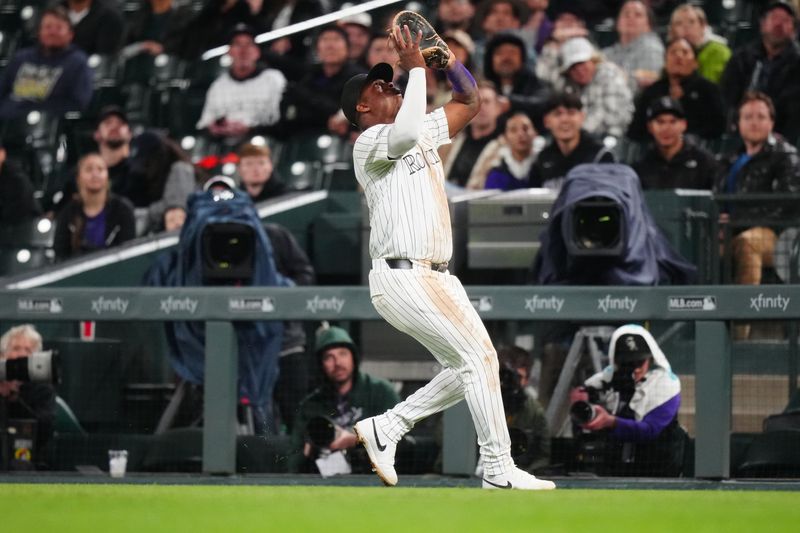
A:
(379, 449)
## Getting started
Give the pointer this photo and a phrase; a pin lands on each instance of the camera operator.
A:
(29, 399)
(629, 410)
(527, 425)
(323, 430)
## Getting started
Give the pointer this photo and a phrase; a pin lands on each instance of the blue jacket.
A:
(54, 83)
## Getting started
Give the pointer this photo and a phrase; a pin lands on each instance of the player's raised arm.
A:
(411, 115)
(466, 101)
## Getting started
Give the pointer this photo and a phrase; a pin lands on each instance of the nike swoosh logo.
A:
(381, 447)
(506, 486)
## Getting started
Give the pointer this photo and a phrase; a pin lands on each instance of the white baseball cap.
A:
(360, 19)
(574, 51)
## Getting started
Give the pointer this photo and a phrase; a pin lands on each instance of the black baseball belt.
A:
(406, 264)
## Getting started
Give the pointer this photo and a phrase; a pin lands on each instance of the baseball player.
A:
(397, 164)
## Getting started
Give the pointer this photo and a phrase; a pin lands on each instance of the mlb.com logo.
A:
(263, 305)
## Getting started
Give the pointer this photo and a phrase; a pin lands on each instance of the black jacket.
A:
(691, 168)
(291, 261)
(702, 104)
(779, 78)
(37, 401)
(120, 227)
(552, 164)
(101, 31)
(17, 203)
(774, 169)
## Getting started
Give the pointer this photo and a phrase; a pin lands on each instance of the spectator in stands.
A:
(674, 161)
(247, 98)
(291, 54)
(700, 99)
(514, 158)
(505, 66)
(689, 21)
(461, 156)
(527, 425)
(52, 76)
(770, 65)
(311, 102)
(568, 23)
(346, 396)
(570, 146)
(601, 86)
(461, 44)
(29, 399)
(17, 203)
(98, 24)
(258, 175)
(454, 15)
(213, 25)
(359, 32)
(639, 51)
(160, 179)
(496, 17)
(634, 427)
(538, 28)
(294, 378)
(765, 163)
(156, 28)
(95, 219)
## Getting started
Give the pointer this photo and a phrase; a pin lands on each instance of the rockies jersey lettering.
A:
(408, 211)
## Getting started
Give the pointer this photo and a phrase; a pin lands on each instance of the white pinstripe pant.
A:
(433, 308)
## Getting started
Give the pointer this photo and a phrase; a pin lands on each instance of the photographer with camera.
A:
(25, 398)
(323, 430)
(629, 410)
(527, 425)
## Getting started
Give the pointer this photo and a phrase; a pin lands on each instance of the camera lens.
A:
(582, 412)
(321, 431)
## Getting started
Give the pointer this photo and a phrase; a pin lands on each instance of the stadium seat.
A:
(774, 454)
(66, 421)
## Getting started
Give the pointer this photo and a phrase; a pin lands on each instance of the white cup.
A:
(117, 462)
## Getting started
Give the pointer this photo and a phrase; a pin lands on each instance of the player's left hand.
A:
(603, 420)
(344, 440)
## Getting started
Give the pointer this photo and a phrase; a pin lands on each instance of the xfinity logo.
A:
(537, 303)
(171, 304)
(106, 305)
(265, 305)
(43, 305)
(760, 302)
(325, 304)
(616, 304)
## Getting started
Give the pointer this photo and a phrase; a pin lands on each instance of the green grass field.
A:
(155, 508)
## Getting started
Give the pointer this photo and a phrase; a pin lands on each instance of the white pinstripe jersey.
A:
(408, 211)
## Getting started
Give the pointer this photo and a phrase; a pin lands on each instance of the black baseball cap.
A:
(112, 110)
(242, 28)
(352, 89)
(665, 104)
(631, 348)
(781, 4)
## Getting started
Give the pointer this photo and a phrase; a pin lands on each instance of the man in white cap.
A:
(601, 86)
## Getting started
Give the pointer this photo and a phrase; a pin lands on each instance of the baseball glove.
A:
(433, 48)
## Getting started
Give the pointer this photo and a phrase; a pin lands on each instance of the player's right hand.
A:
(407, 47)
